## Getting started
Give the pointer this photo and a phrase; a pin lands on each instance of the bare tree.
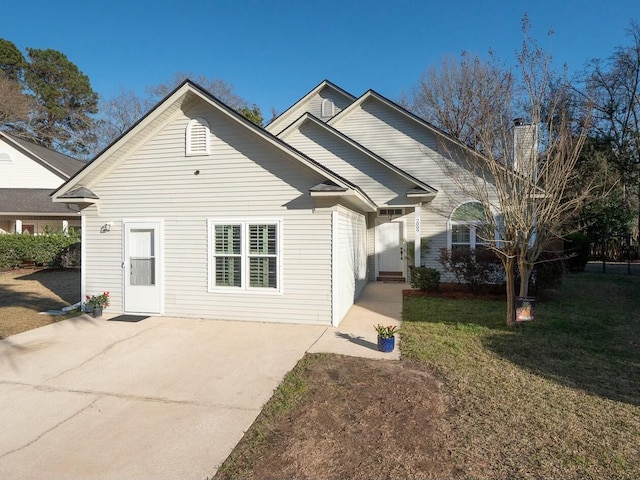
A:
(15, 106)
(220, 89)
(119, 112)
(523, 175)
(442, 97)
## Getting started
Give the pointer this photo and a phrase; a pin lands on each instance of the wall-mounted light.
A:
(106, 227)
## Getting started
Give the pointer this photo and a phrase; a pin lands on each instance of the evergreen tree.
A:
(64, 99)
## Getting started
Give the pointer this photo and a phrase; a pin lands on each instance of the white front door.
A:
(389, 247)
(142, 267)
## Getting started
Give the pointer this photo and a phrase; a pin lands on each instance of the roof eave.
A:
(350, 195)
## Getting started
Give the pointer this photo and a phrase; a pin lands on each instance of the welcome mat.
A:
(128, 318)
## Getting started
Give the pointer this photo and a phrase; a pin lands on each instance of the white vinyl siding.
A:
(380, 183)
(197, 137)
(394, 137)
(245, 255)
(313, 105)
(243, 177)
(414, 148)
(350, 260)
(24, 172)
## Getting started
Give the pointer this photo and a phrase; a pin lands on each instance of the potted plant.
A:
(96, 303)
(386, 338)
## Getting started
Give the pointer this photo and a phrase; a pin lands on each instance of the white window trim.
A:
(244, 255)
(188, 144)
(473, 226)
(473, 229)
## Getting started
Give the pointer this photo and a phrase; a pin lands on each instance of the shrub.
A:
(475, 268)
(578, 246)
(548, 273)
(46, 249)
(426, 279)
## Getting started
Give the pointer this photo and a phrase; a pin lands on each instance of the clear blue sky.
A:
(273, 52)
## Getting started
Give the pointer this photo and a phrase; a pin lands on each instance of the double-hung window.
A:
(467, 227)
(245, 255)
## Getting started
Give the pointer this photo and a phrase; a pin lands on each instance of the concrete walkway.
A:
(356, 336)
(163, 398)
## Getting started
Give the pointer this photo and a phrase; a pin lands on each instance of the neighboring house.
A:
(29, 173)
(197, 212)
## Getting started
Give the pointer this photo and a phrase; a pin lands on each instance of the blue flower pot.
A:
(386, 344)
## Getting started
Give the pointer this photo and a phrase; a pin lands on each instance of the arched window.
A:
(197, 138)
(467, 226)
(327, 108)
(5, 158)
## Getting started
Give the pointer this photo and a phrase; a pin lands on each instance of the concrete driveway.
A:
(163, 398)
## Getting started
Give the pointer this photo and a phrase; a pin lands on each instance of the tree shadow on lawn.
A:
(65, 283)
(598, 360)
(585, 336)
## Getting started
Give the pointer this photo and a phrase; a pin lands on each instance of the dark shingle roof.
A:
(29, 200)
(67, 165)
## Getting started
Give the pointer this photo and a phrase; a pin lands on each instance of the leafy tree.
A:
(65, 101)
(610, 215)
(613, 86)
(252, 114)
(12, 62)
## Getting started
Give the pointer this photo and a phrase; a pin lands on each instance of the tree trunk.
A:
(511, 291)
(525, 276)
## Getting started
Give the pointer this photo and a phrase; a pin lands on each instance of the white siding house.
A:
(29, 173)
(197, 212)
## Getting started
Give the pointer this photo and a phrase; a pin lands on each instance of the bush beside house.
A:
(50, 249)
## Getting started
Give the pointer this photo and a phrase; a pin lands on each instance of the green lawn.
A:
(559, 397)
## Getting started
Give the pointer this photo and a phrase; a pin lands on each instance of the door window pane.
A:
(142, 257)
(143, 271)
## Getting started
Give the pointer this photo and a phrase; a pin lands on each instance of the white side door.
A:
(142, 267)
(388, 247)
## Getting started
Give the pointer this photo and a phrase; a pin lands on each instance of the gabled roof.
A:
(277, 122)
(419, 186)
(372, 94)
(59, 164)
(30, 201)
(185, 92)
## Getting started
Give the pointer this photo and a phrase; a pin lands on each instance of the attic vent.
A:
(327, 108)
(198, 137)
(5, 158)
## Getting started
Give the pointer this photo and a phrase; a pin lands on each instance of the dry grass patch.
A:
(26, 292)
(470, 399)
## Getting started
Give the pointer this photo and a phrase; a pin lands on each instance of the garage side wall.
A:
(350, 260)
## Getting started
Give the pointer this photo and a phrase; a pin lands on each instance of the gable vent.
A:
(327, 108)
(198, 137)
